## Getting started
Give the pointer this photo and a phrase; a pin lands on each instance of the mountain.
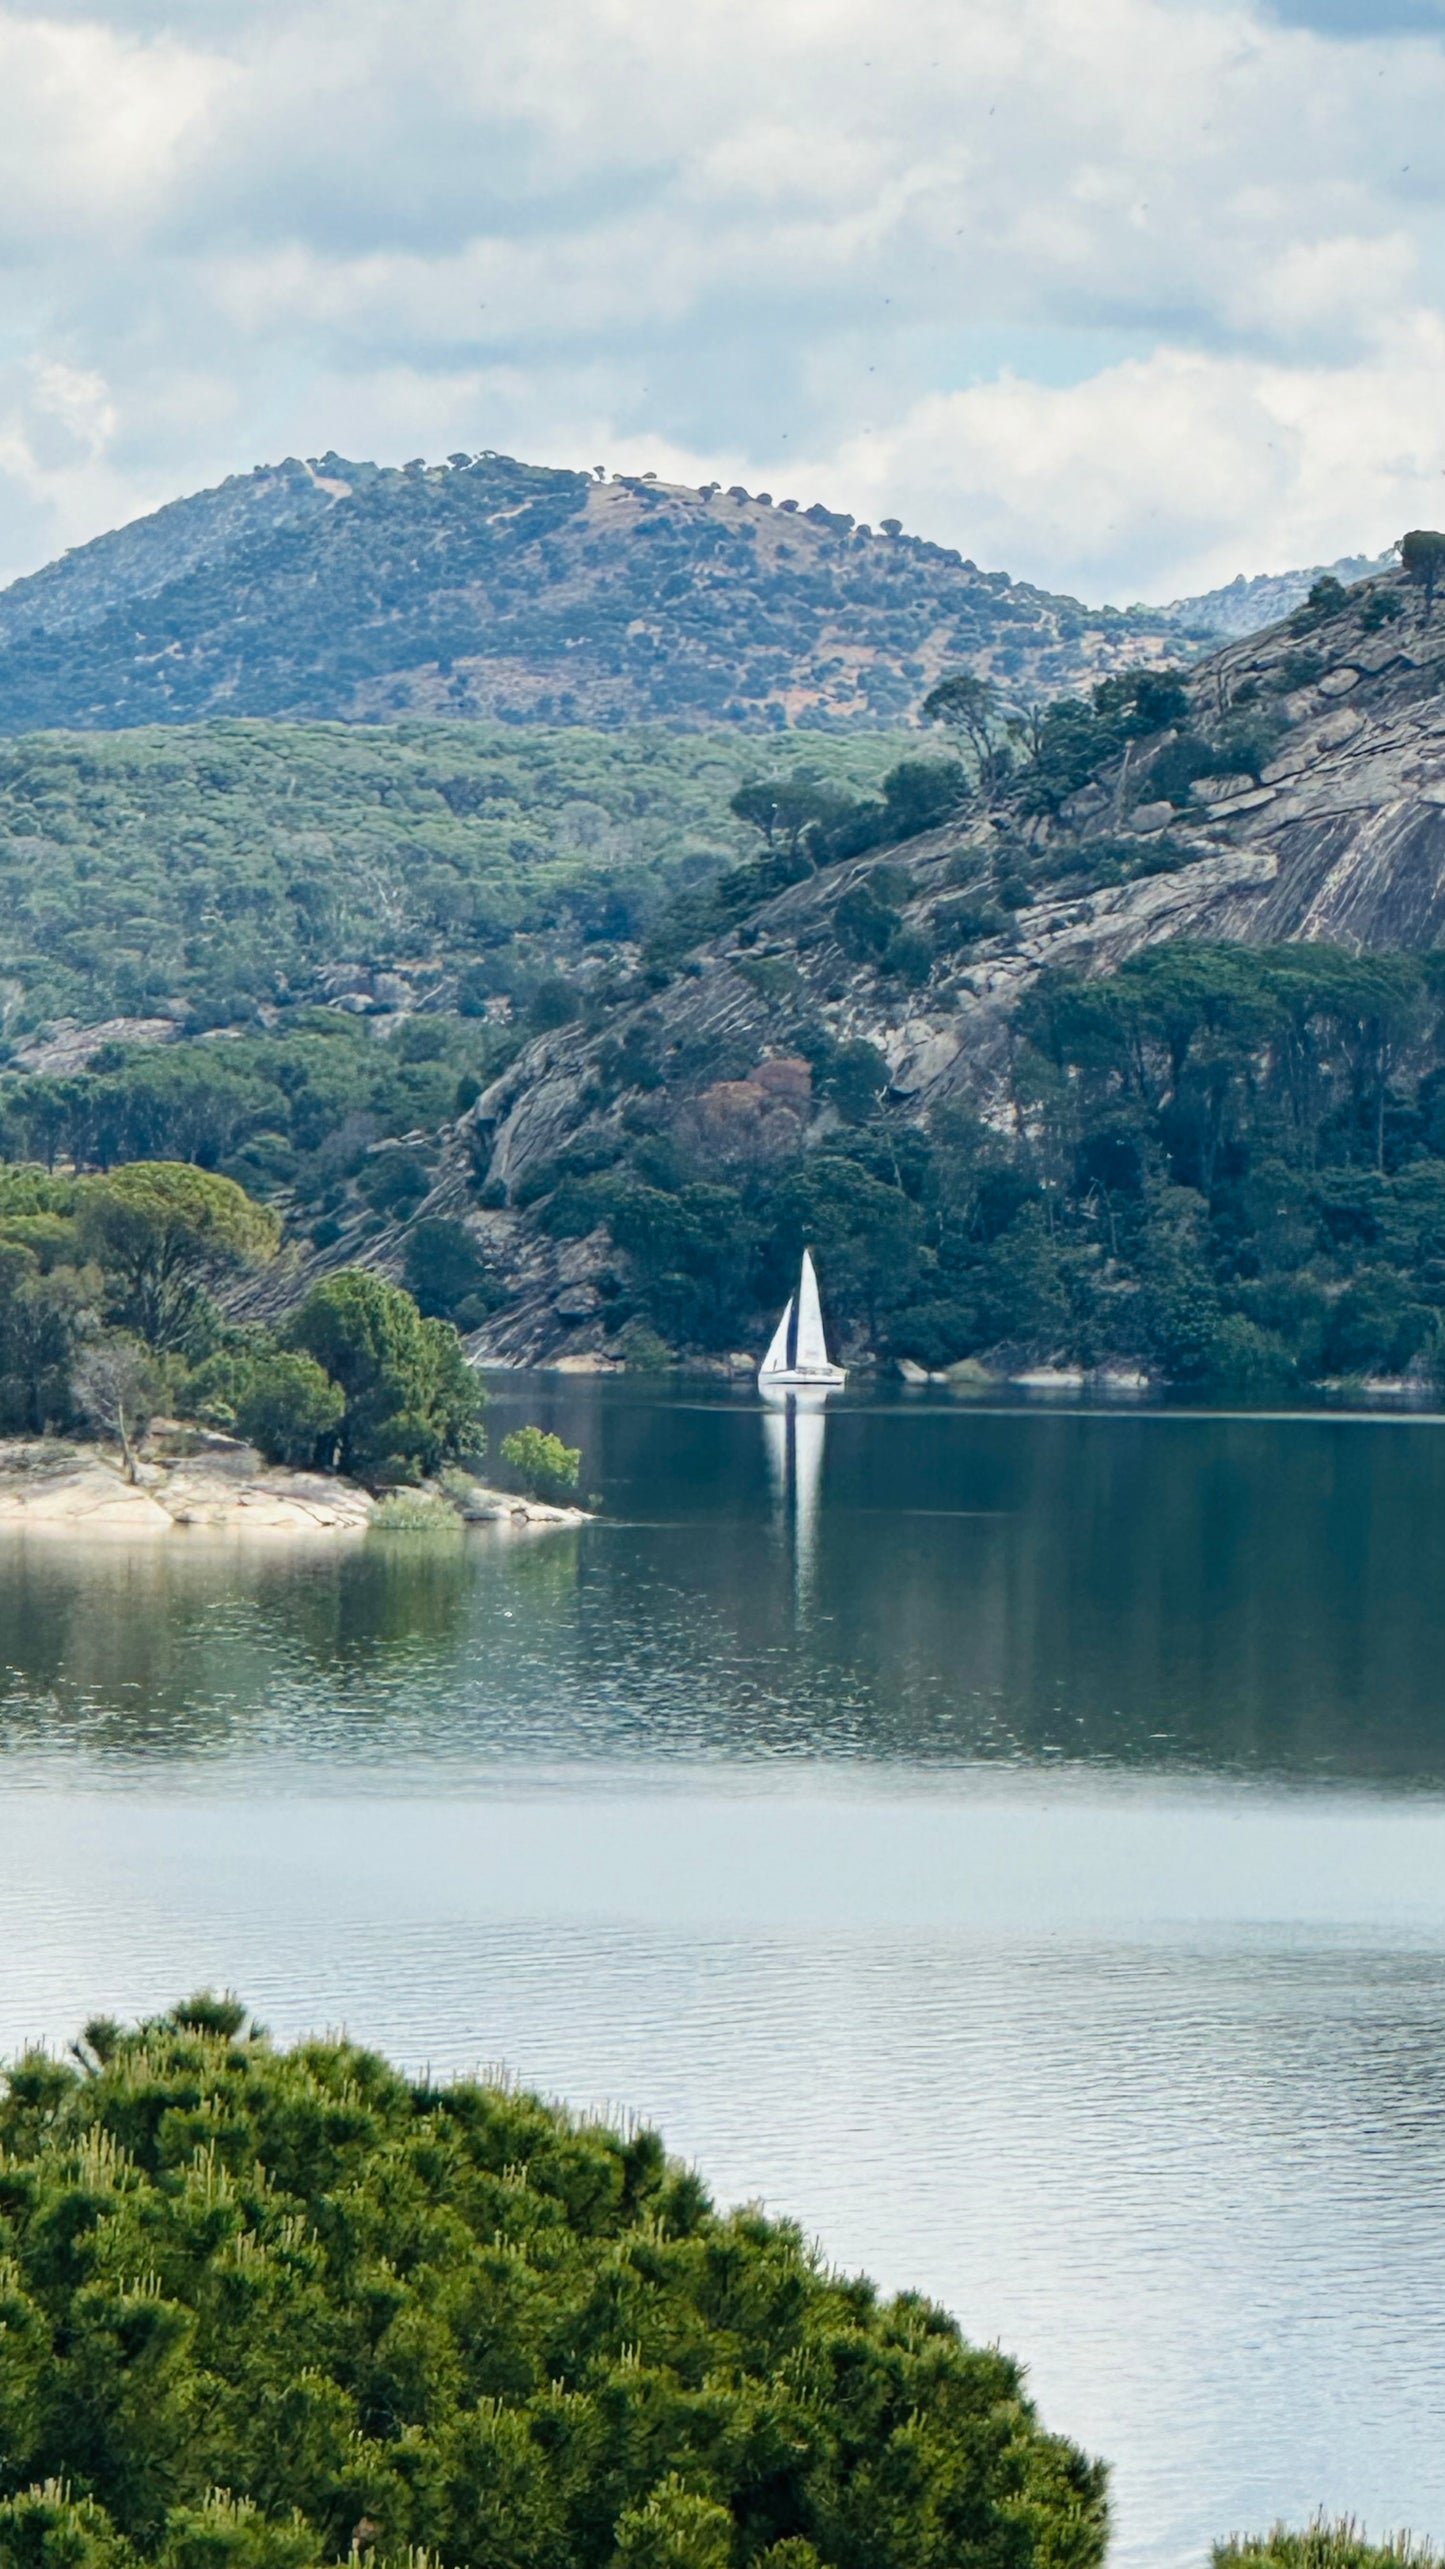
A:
(488, 588)
(1120, 1036)
(1246, 606)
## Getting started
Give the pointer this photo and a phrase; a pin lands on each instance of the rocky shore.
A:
(190, 1481)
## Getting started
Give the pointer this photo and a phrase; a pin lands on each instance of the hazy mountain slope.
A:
(493, 588)
(138, 561)
(1246, 606)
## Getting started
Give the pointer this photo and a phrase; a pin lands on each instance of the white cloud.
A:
(889, 242)
(1166, 475)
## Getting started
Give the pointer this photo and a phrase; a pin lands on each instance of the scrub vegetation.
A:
(269, 2310)
(1325, 2545)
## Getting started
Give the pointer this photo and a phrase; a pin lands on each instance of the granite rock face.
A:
(223, 1488)
(1339, 837)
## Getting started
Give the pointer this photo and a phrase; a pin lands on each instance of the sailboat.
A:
(797, 1363)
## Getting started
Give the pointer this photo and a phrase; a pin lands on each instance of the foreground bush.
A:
(259, 2309)
(1324, 2546)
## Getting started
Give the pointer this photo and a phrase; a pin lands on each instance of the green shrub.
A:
(1323, 2545)
(414, 1512)
(412, 1400)
(643, 1350)
(445, 1271)
(909, 956)
(289, 1408)
(544, 1466)
(260, 2309)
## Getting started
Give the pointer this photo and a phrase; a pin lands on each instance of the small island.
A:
(145, 1406)
(189, 1479)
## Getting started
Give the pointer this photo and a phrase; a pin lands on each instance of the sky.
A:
(1123, 296)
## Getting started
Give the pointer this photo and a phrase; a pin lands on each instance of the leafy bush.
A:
(545, 1467)
(412, 1400)
(446, 1273)
(289, 1408)
(864, 923)
(1322, 2545)
(1173, 769)
(414, 1512)
(643, 1350)
(261, 2309)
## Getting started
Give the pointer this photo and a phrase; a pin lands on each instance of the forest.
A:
(1224, 1163)
(321, 943)
(224, 867)
(266, 2310)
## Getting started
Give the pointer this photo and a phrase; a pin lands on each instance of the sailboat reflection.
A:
(794, 1438)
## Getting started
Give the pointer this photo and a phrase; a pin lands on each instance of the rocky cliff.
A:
(1337, 834)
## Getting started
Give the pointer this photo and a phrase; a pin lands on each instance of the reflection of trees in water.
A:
(188, 1646)
(1214, 1592)
(1232, 1593)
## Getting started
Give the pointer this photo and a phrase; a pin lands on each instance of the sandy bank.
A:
(207, 1484)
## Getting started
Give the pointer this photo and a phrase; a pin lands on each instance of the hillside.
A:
(490, 589)
(1245, 606)
(1120, 1036)
(209, 870)
(843, 1057)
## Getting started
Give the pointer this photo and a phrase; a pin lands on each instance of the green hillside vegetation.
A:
(265, 2310)
(487, 587)
(228, 864)
(1227, 1162)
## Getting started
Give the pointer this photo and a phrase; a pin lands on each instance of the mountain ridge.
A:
(487, 587)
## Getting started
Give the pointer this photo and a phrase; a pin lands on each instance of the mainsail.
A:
(812, 1345)
(797, 1364)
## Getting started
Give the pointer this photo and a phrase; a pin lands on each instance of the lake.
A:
(1011, 1842)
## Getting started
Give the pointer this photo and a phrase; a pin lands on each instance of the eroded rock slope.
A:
(1337, 835)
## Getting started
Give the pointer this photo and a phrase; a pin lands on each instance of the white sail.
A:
(812, 1345)
(776, 1359)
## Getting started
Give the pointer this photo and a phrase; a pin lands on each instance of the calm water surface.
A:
(1015, 1844)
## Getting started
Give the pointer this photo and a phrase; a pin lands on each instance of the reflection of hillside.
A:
(1215, 1592)
(1220, 1592)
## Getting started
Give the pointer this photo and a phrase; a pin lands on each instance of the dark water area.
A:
(1013, 1843)
(1248, 1596)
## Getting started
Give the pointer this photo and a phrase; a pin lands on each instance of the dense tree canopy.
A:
(412, 1401)
(165, 1230)
(1223, 1162)
(231, 864)
(258, 2309)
